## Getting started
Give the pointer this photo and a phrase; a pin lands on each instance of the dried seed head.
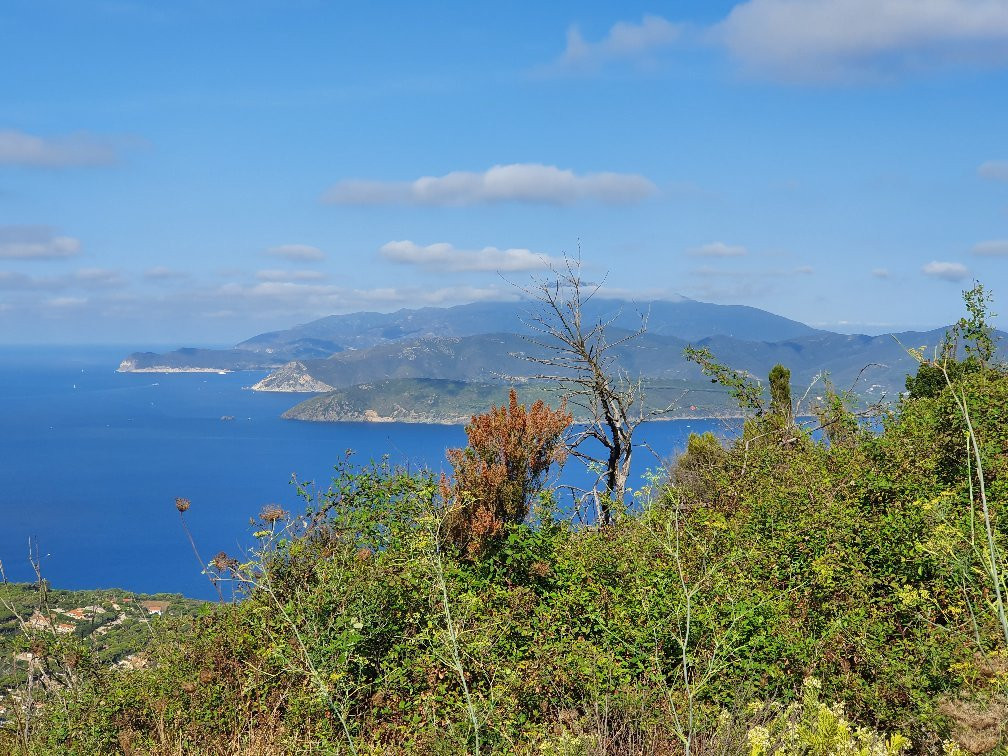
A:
(363, 554)
(181, 504)
(188, 687)
(206, 675)
(271, 513)
(223, 562)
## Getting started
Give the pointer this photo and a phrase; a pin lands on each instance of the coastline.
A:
(369, 415)
(167, 369)
(372, 418)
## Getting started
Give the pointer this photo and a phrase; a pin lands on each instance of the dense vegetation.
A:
(794, 590)
(109, 625)
(433, 400)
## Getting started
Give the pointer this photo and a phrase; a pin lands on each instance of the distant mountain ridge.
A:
(504, 358)
(685, 318)
(392, 366)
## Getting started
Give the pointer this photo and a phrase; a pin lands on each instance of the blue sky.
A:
(198, 172)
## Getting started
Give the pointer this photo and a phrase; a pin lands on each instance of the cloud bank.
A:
(446, 257)
(35, 243)
(532, 183)
(819, 41)
(316, 300)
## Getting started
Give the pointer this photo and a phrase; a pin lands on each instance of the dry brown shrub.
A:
(495, 477)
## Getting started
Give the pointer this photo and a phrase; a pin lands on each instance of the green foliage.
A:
(836, 416)
(977, 334)
(691, 624)
(929, 380)
(751, 568)
(780, 392)
(869, 545)
(746, 391)
(811, 728)
(979, 343)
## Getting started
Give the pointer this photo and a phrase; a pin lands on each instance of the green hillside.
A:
(837, 588)
(426, 400)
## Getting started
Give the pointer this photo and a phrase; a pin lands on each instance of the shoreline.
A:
(165, 369)
(365, 420)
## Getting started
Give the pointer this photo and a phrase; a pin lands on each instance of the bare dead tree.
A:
(578, 357)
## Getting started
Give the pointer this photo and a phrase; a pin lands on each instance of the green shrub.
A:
(811, 728)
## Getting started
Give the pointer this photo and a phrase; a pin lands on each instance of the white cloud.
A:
(992, 248)
(881, 273)
(190, 309)
(35, 243)
(285, 297)
(950, 271)
(446, 257)
(301, 252)
(804, 270)
(447, 295)
(838, 40)
(719, 249)
(640, 295)
(517, 182)
(19, 148)
(290, 275)
(994, 169)
(625, 41)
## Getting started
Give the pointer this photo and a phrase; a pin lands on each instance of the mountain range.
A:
(444, 364)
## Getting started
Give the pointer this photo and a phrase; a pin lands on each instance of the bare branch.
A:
(582, 362)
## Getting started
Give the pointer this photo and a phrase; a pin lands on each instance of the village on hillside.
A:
(115, 624)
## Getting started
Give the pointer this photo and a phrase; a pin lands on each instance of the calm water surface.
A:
(91, 462)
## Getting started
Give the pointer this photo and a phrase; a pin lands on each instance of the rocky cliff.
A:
(292, 377)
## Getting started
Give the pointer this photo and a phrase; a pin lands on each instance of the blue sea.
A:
(91, 462)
